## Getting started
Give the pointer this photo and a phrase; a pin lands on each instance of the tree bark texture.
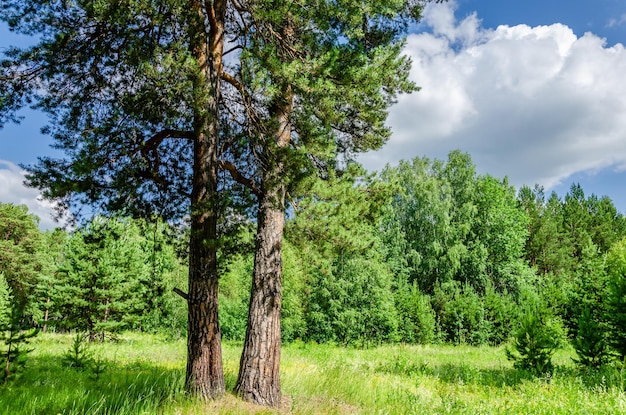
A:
(205, 376)
(259, 376)
(259, 367)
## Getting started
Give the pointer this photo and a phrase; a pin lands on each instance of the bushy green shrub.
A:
(352, 303)
(500, 314)
(5, 302)
(590, 342)
(417, 320)
(461, 314)
(537, 338)
(13, 341)
(293, 320)
(235, 297)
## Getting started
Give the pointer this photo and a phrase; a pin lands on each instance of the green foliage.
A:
(347, 293)
(352, 303)
(43, 304)
(591, 217)
(95, 117)
(20, 246)
(5, 302)
(590, 342)
(536, 339)
(461, 314)
(79, 356)
(159, 308)
(500, 315)
(416, 317)
(448, 224)
(293, 312)
(21, 253)
(616, 269)
(113, 278)
(14, 340)
(502, 228)
(418, 226)
(234, 293)
(561, 230)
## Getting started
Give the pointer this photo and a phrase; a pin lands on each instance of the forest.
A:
(426, 252)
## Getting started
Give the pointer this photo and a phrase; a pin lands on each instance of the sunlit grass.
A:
(145, 375)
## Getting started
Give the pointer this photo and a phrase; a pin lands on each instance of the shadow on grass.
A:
(455, 373)
(48, 386)
(606, 377)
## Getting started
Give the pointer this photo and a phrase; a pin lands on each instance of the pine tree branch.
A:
(246, 100)
(155, 141)
(238, 86)
(181, 293)
(150, 154)
(151, 145)
(238, 177)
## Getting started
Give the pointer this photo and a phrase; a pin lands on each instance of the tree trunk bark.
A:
(259, 367)
(259, 376)
(205, 376)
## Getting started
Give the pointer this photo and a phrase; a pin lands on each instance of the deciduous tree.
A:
(21, 248)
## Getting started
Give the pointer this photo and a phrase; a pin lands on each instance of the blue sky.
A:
(533, 90)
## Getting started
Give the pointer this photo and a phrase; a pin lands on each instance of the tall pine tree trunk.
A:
(259, 367)
(205, 376)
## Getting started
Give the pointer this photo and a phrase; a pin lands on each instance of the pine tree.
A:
(536, 339)
(137, 98)
(314, 84)
(590, 341)
(13, 339)
(102, 280)
(133, 91)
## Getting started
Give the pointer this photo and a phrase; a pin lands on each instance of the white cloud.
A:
(537, 104)
(14, 191)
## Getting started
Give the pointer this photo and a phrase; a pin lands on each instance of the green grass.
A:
(145, 374)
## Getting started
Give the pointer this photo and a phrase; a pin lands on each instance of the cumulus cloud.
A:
(14, 191)
(537, 104)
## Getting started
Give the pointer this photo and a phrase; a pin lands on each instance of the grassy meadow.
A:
(143, 374)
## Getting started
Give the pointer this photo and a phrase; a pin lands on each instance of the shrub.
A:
(352, 303)
(418, 320)
(500, 314)
(590, 342)
(5, 302)
(461, 314)
(539, 335)
(12, 354)
(79, 356)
